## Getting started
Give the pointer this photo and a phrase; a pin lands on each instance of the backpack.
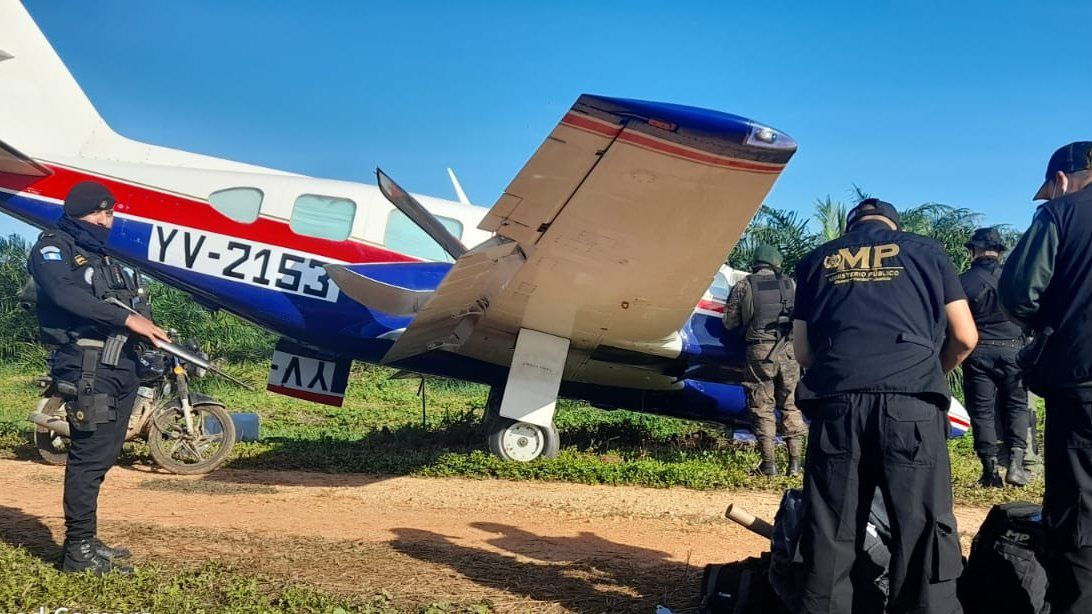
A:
(1005, 572)
(739, 588)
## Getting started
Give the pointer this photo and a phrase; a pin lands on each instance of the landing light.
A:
(766, 135)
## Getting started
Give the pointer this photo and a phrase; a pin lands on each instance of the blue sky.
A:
(960, 103)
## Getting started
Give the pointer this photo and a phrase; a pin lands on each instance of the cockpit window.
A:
(239, 204)
(326, 217)
(404, 236)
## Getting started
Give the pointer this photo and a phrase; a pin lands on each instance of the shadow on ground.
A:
(19, 529)
(583, 573)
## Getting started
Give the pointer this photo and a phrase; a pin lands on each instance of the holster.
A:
(91, 408)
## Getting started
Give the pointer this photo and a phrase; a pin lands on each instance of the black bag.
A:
(739, 588)
(1005, 572)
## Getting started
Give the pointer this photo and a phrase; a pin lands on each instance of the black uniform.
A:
(874, 303)
(73, 278)
(1047, 284)
(991, 379)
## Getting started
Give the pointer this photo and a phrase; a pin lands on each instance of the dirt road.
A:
(524, 546)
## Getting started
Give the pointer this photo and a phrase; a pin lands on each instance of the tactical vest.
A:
(980, 284)
(772, 297)
(1066, 304)
(108, 278)
(874, 303)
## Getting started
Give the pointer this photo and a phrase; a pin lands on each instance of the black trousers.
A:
(859, 442)
(92, 453)
(1067, 502)
(992, 387)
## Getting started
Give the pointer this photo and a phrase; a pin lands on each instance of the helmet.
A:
(767, 254)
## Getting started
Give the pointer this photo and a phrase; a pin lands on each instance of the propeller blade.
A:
(427, 222)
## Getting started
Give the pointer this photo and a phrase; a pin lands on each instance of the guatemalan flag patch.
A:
(50, 252)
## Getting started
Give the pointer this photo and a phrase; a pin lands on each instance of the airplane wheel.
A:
(522, 442)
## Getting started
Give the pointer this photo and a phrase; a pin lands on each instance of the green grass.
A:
(27, 583)
(380, 431)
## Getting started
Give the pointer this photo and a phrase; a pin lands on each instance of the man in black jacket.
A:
(991, 379)
(95, 359)
(880, 317)
(1046, 286)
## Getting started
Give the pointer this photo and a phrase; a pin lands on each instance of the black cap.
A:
(873, 206)
(1077, 156)
(87, 197)
(986, 238)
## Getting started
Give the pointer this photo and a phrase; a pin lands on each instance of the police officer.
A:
(880, 317)
(94, 362)
(760, 308)
(991, 379)
(1046, 285)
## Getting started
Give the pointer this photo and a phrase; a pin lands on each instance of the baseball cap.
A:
(1076, 156)
(87, 197)
(873, 206)
(985, 238)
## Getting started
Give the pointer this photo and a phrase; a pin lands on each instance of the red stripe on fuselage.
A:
(154, 204)
(711, 306)
(595, 126)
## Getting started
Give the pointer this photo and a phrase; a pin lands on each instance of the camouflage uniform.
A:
(771, 376)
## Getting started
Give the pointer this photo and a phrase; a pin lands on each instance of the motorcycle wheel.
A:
(52, 447)
(196, 453)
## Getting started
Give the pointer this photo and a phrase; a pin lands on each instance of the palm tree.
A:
(785, 230)
(830, 215)
(951, 226)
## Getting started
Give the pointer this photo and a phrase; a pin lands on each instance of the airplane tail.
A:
(43, 110)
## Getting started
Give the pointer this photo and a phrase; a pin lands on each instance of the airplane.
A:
(597, 275)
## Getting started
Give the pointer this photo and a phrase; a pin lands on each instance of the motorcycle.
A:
(188, 433)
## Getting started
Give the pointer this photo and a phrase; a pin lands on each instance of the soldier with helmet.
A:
(759, 308)
(94, 364)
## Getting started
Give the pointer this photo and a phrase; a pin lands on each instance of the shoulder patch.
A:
(79, 260)
(51, 252)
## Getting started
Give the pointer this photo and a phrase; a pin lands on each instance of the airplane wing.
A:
(14, 162)
(609, 235)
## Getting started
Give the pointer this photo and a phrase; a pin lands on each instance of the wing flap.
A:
(15, 162)
(400, 289)
(451, 314)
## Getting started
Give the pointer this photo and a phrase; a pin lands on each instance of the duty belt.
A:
(1009, 343)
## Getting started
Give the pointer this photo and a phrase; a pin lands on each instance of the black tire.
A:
(522, 442)
(176, 453)
(52, 447)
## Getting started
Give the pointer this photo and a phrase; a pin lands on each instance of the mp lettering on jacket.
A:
(866, 263)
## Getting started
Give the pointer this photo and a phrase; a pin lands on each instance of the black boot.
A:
(768, 467)
(796, 456)
(990, 476)
(108, 552)
(1015, 474)
(83, 555)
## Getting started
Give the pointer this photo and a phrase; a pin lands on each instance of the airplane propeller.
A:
(427, 222)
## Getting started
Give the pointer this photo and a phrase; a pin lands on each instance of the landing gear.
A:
(512, 440)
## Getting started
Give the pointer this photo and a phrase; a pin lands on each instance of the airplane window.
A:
(326, 217)
(239, 204)
(405, 237)
(720, 287)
